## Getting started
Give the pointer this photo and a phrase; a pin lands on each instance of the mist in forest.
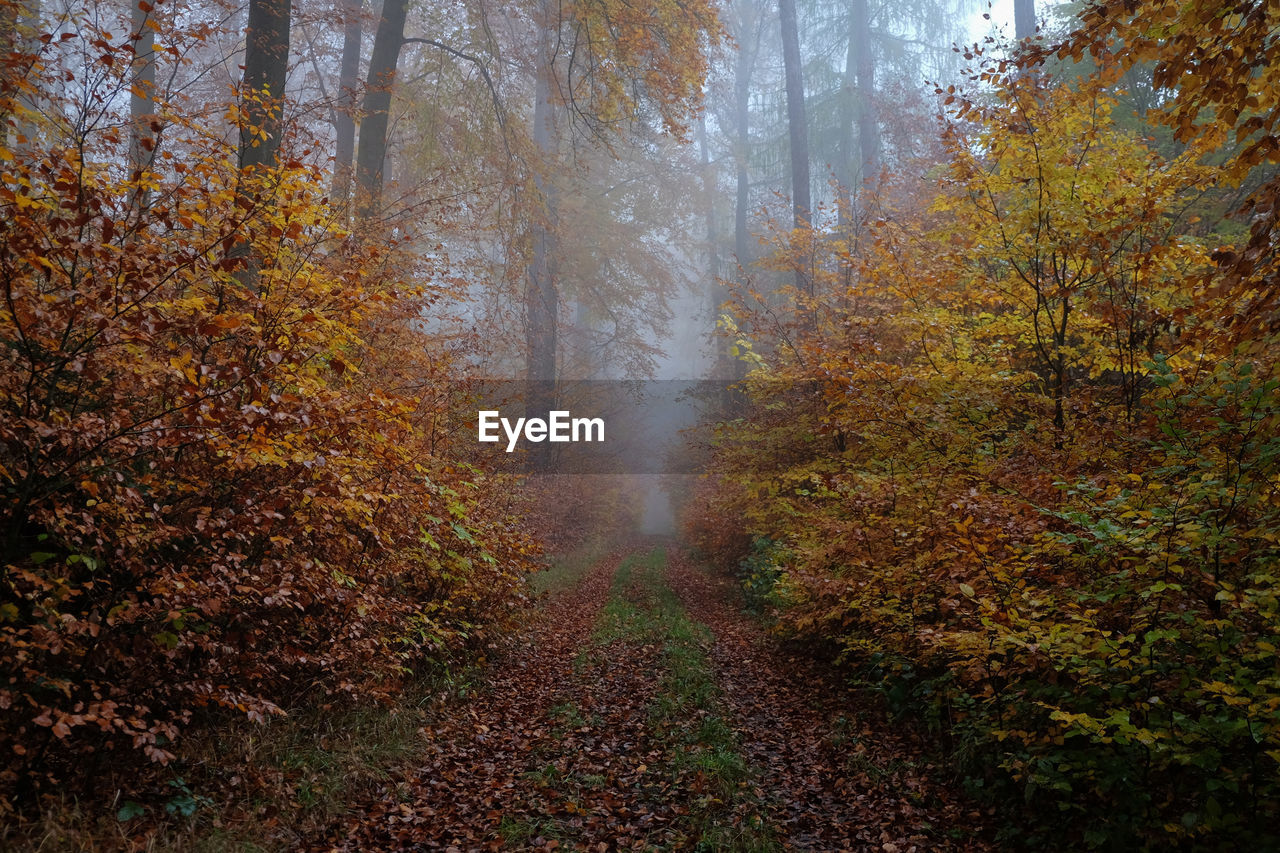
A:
(342, 340)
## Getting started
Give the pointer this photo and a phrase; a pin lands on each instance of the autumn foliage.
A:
(222, 493)
(1020, 472)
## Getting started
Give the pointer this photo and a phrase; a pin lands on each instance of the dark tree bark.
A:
(798, 129)
(374, 125)
(344, 124)
(1024, 19)
(266, 64)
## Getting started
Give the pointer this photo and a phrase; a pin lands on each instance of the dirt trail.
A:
(642, 710)
(838, 777)
(549, 746)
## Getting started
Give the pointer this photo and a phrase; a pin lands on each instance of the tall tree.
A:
(266, 64)
(858, 107)
(598, 67)
(710, 189)
(371, 159)
(542, 296)
(142, 136)
(344, 125)
(747, 35)
(868, 126)
(797, 126)
(1024, 19)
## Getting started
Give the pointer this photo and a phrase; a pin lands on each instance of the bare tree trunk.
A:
(845, 151)
(1024, 19)
(709, 192)
(718, 294)
(748, 49)
(266, 64)
(749, 31)
(542, 298)
(375, 122)
(868, 125)
(858, 105)
(742, 109)
(801, 204)
(344, 124)
(142, 103)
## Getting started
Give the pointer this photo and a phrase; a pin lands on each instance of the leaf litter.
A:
(581, 739)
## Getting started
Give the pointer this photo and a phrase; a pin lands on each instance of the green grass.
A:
(520, 831)
(566, 717)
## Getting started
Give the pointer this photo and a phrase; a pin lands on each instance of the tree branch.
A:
(484, 72)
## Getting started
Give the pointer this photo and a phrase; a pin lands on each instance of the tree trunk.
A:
(142, 137)
(266, 64)
(709, 193)
(868, 125)
(798, 129)
(542, 298)
(377, 108)
(742, 97)
(845, 151)
(344, 124)
(858, 105)
(1024, 19)
(734, 369)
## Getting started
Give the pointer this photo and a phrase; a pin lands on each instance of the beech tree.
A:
(351, 13)
(142, 136)
(266, 63)
(376, 112)
(215, 487)
(604, 64)
(797, 124)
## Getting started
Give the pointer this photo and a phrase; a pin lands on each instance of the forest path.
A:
(643, 710)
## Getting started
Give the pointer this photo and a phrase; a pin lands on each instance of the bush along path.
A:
(643, 710)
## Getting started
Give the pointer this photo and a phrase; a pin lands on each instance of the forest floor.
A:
(642, 709)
